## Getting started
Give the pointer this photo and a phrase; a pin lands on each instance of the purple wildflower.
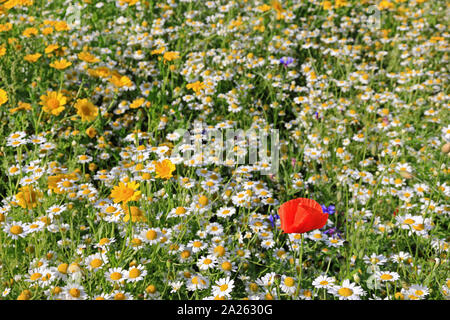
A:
(330, 209)
(285, 61)
(273, 219)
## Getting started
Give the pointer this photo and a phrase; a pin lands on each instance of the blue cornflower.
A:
(285, 61)
(273, 218)
(330, 209)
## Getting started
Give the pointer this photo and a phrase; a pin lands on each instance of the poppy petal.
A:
(301, 215)
(308, 218)
(287, 214)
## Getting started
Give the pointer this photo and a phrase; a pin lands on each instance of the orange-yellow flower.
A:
(385, 5)
(21, 106)
(170, 55)
(120, 81)
(91, 132)
(28, 32)
(61, 64)
(158, 51)
(53, 102)
(3, 97)
(125, 192)
(86, 110)
(100, 72)
(137, 215)
(164, 169)
(61, 26)
(87, 57)
(28, 197)
(196, 86)
(340, 3)
(137, 103)
(32, 57)
(264, 8)
(50, 48)
(327, 5)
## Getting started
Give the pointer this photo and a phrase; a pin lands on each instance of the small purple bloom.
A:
(273, 218)
(330, 209)
(333, 231)
(285, 61)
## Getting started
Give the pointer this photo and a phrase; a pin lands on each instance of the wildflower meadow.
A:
(207, 150)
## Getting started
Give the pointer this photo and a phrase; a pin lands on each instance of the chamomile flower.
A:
(15, 229)
(288, 285)
(121, 295)
(151, 236)
(74, 292)
(176, 286)
(347, 291)
(56, 210)
(197, 245)
(324, 282)
(197, 282)
(226, 212)
(136, 273)
(115, 275)
(96, 261)
(207, 262)
(387, 276)
(223, 287)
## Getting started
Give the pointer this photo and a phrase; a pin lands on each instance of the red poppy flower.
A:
(301, 215)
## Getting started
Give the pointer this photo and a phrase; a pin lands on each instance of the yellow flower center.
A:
(103, 241)
(110, 209)
(151, 235)
(223, 287)
(95, 263)
(345, 292)
(203, 200)
(119, 296)
(35, 276)
(116, 276)
(197, 244)
(134, 273)
(136, 242)
(57, 290)
(220, 251)
(53, 103)
(62, 268)
(16, 230)
(180, 210)
(386, 277)
(150, 289)
(253, 286)
(226, 266)
(289, 281)
(185, 254)
(74, 292)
